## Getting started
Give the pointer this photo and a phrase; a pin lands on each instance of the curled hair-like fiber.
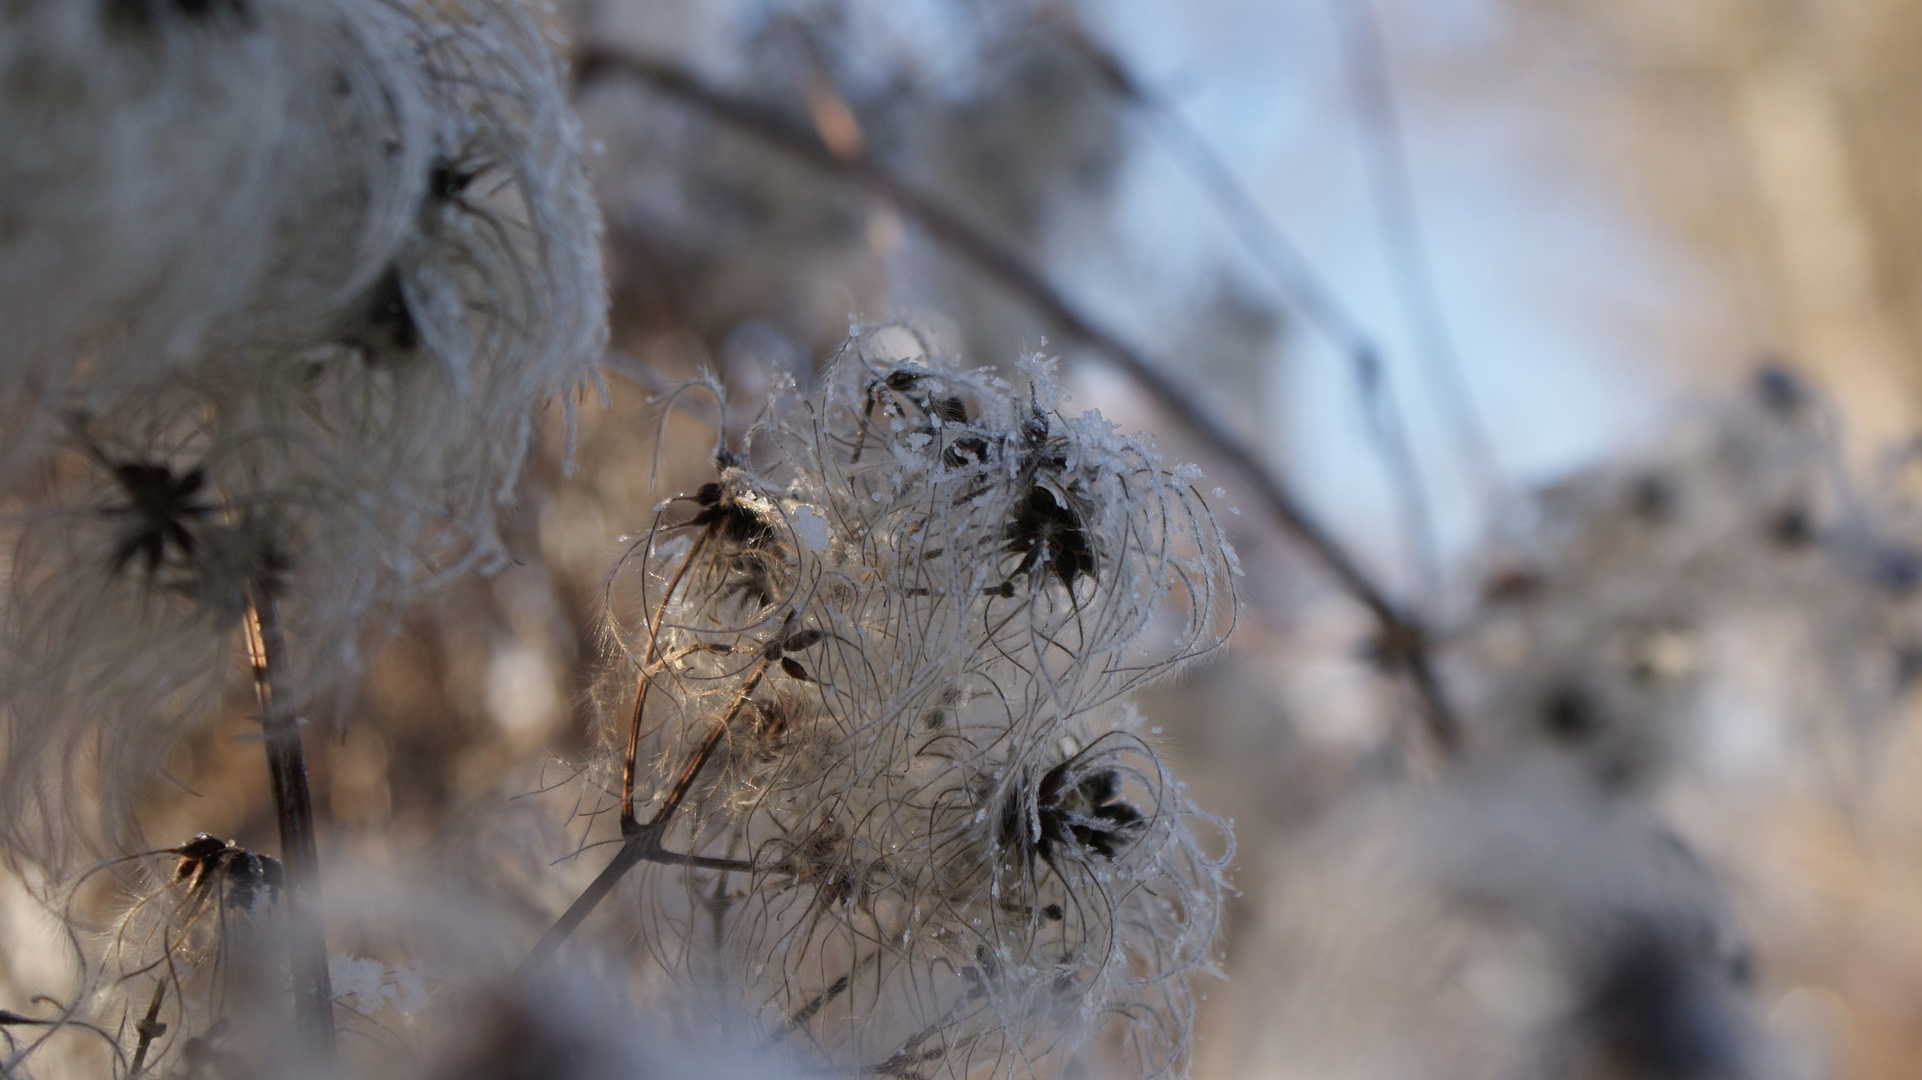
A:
(884, 665)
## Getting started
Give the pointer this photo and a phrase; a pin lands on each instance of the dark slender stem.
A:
(1309, 294)
(632, 853)
(1298, 280)
(150, 1028)
(646, 679)
(294, 806)
(693, 767)
(806, 1012)
(793, 1021)
(644, 842)
(1404, 639)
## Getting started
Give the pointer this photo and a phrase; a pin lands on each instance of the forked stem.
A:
(149, 1028)
(628, 822)
(294, 806)
(644, 841)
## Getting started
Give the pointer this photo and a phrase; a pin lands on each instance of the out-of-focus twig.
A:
(1403, 640)
(1303, 288)
(1392, 182)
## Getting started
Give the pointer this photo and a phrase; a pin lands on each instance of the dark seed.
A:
(1571, 714)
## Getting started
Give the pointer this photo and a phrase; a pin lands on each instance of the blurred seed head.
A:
(1736, 566)
(295, 277)
(1515, 919)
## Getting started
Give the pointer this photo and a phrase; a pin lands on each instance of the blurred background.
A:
(1588, 332)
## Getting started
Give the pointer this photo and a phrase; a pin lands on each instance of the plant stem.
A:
(294, 806)
(628, 822)
(644, 841)
(150, 1028)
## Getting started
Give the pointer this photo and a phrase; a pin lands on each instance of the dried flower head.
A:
(189, 974)
(401, 262)
(905, 819)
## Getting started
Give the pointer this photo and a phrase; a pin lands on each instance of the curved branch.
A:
(1403, 642)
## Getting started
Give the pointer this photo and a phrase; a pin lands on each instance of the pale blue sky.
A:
(1531, 263)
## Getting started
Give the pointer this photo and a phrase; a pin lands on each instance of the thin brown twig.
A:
(643, 843)
(646, 680)
(294, 806)
(1403, 639)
